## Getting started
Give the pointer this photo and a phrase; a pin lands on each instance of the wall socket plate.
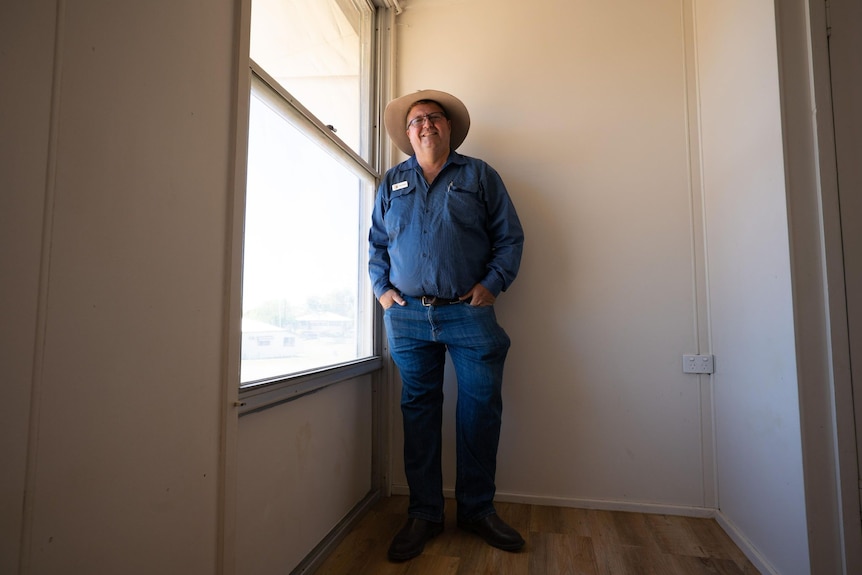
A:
(698, 363)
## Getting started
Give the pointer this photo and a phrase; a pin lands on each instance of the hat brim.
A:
(395, 117)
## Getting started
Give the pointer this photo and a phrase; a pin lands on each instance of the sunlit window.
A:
(318, 50)
(306, 300)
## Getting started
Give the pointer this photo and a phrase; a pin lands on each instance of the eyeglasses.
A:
(419, 121)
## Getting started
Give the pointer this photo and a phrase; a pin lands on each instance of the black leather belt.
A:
(432, 300)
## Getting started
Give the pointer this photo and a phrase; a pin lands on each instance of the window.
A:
(306, 299)
(319, 51)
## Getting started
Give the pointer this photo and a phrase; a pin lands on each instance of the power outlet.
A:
(698, 364)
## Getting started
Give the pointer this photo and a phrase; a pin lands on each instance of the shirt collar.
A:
(454, 158)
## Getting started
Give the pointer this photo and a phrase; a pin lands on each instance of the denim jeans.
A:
(419, 337)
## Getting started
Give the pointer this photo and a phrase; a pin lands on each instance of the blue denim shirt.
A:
(442, 239)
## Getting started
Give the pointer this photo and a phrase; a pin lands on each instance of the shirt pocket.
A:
(464, 206)
(400, 212)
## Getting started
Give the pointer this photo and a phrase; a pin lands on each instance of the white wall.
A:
(125, 322)
(25, 113)
(758, 437)
(301, 467)
(642, 147)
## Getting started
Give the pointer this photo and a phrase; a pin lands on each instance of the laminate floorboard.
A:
(560, 541)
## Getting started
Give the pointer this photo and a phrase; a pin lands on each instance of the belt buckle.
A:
(428, 301)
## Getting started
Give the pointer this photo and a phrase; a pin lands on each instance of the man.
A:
(444, 242)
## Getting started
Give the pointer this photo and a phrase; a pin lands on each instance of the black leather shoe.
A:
(495, 532)
(411, 540)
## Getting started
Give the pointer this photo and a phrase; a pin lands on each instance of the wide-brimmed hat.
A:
(395, 117)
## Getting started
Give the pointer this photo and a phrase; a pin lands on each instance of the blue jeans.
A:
(419, 337)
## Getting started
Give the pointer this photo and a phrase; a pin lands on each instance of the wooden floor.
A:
(560, 541)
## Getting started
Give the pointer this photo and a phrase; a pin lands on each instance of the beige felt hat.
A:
(395, 117)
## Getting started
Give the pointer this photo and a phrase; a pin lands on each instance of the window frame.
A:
(268, 392)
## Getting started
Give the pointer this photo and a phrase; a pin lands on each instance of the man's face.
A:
(428, 128)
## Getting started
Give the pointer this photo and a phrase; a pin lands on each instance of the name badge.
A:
(399, 186)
